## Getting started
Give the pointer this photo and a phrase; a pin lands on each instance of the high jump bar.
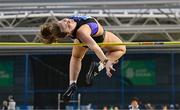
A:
(101, 44)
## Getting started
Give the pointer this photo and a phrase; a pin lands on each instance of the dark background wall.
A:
(39, 78)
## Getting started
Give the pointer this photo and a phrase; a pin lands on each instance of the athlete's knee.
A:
(123, 49)
(76, 57)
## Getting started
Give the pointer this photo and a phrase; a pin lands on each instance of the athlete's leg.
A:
(113, 54)
(78, 53)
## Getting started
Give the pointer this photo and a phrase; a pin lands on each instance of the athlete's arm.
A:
(83, 34)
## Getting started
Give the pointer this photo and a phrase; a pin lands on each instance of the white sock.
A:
(72, 81)
(101, 66)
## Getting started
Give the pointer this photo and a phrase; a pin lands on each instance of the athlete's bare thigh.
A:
(110, 37)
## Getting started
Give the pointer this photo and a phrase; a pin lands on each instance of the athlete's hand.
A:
(109, 67)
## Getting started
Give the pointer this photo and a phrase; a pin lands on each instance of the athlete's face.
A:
(66, 25)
